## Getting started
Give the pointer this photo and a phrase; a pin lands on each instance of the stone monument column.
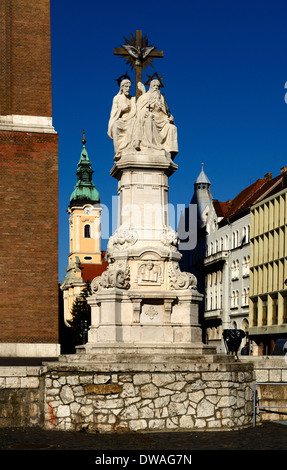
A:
(143, 301)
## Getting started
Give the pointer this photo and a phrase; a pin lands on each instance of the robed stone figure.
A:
(121, 128)
(156, 127)
(145, 124)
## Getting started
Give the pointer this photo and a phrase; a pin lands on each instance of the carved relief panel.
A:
(149, 273)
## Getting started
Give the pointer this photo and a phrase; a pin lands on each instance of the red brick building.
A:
(29, 183)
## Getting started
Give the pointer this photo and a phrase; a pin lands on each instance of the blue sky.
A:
(224, 73)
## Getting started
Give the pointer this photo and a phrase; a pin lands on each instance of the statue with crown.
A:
(143, 124)
(143, 303)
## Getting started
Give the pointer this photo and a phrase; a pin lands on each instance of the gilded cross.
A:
(138, 54)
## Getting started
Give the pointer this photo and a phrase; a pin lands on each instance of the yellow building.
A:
(86, 259)
(268, 269)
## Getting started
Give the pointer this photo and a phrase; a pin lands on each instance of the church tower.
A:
(85, 256)
(29, 183)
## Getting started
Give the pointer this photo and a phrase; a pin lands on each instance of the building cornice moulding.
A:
(23, 123)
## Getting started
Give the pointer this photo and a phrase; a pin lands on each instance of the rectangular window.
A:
(255, 313)
(284, 309)
(274, 311)
(264, 315)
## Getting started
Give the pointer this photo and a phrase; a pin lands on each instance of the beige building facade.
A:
(268, 272)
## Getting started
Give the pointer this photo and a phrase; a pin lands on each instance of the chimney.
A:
(283, 170)
(268, 176)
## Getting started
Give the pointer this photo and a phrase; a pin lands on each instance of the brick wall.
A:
(25, 59)
(29, 237)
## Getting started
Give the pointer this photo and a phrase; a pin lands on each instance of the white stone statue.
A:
(145, 124)
(155, 124)
(122, 119)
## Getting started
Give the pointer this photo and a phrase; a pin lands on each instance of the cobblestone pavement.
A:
(29, 444)
(32, 446)
(268, 436)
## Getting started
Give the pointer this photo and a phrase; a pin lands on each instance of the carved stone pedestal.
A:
(143, 299)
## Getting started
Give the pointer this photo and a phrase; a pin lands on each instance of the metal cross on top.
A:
(138, 54)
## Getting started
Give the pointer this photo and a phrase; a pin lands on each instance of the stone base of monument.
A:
(111, 388)
(146, 322)
(167, 391)
(144, 353)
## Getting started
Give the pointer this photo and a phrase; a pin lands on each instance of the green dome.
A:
(85, 191)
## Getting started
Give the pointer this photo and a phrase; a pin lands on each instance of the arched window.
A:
(233, 270)
(237, 268)
(244, 266)
(248, 264)
(245, 296)
(233, 299)
(244, 235)
(219, 277)
(236, 298)
(226, 242)
(245, 324)
(87, 231)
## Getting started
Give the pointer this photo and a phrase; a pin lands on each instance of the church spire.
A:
(202, 178)
(85, 191)
(202, 196)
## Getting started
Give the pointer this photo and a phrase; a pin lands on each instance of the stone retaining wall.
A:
(157, 397)
(272, 370)
(21, 396)
(202, 396)
(268, 368)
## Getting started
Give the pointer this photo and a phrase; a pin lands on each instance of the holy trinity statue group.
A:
(145, 123)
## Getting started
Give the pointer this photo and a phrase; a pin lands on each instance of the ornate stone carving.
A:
(116, 275)
(179, 279)
(170, 238)
(149, 273)
(151, 312)
(121, 240)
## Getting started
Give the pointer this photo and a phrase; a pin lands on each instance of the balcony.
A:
(216, 257)
(213, 314)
